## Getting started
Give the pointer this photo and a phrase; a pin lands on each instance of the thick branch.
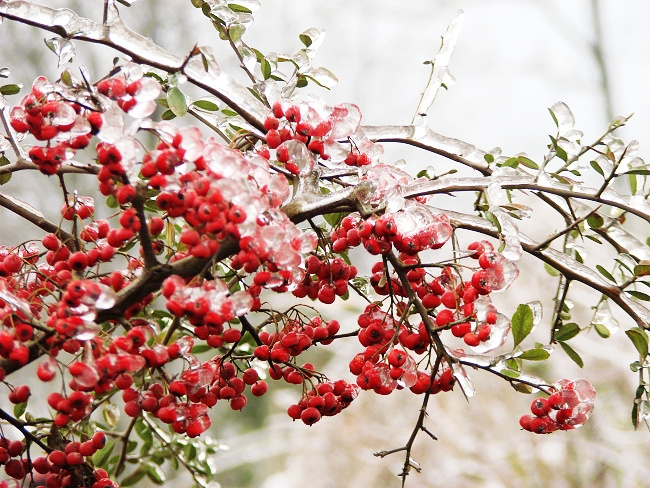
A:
(32, 215)
(140, 49)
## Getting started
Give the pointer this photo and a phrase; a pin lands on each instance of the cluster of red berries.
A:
(378, 235)
(71, 408)
(376, 368)
(48, 115)
(295, 338)
(567, 408)
(324, 400)
(134, 93)
(188, 398)
(71, 317)
(11, 458)
(59, 468)
(325, 279)
(208, 307)
(297, 131)
(398, 370)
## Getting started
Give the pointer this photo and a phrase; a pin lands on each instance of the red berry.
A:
(540, 407)
(310, 415)
(20, 394)
(525, 422)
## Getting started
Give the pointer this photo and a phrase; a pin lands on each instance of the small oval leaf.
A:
(534, 355)
(177, 102)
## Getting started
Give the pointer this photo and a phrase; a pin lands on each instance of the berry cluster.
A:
(567, 408)
(300, 132)
(48, 114)
(208, 307)
(134, 93)
(295, 338)
(409, 230)
(381, 366)
(324, 400)
(68, 467)
(325, 280)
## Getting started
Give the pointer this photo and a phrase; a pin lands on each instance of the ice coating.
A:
(498, 335)
(572, 403)
(463, 379)
(12, 301)
(63, 48)
(440, 72)
(604, 317)
(425, 137)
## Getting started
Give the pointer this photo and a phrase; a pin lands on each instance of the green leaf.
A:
(19, 409)
(206, 105)
(199, 348)
(631, 179)
(602, 330)
(489, 158)
(101, 457)
(605, 273)
(511, 162)
(635, 415)
(333, 218)
(305, 39)
(642, 270)
(6, 177)
(639, 295)
(640, 340)
(190, 452)
(595, 221)
(265, 66)
(597, 167)
(111, 202)
(155, 474)
(567, 331)
(130, 446)
(302, 82)
(572, 354)
(551, 270)
(593, 238)
(168, 115)
(12, 89)
(177, 101)
(522, 323)
(510, 373)
(644, 172)
(528, 163)
(522, 388)
(134, 477)
(534, 355)
(239, 8)
(229, 113)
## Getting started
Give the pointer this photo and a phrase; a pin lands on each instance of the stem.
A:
(125, 444)
(30, 214)
(599, 56)
(27, 434)
(148, 252)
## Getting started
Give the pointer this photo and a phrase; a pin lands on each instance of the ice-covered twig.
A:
(140, 49)
(429, 140)
(440, 66)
